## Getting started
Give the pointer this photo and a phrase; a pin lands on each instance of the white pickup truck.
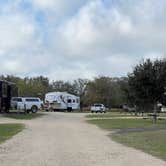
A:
(28, 104)
(98, 108)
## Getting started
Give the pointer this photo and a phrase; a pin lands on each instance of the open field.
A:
(118, 114)
(153, 142)
(8, 130)
(108, 115)
(138, 133)
(23, 116)
(126, 123)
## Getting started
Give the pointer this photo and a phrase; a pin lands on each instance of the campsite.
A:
(82, 83)
(58, 109)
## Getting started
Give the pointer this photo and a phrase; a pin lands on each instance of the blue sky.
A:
(66, 40)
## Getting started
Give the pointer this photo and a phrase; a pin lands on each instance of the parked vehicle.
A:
(163, 109)
(130, 109)
(28, 104)
(7, 90)
(98, 108)
(61, 101)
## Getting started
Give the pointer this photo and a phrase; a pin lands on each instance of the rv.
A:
(7, 91)
(61, 101)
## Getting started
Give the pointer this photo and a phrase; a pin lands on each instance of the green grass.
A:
(109, 115)
(125, 123)
(9, 130)
(23, 116)
(118, 115)
(153, 143)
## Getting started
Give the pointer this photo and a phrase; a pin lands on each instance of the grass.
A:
(153, 143)
(9, 130)
(118, 115)
(109, 115)
(125, 123)
(23, 116)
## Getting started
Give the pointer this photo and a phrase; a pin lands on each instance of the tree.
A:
(35, 86)
(147, 83)
(80, 89)
(105, 90)
(62, 86)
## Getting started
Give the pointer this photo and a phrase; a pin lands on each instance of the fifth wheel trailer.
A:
(7, 91)
(61, 101)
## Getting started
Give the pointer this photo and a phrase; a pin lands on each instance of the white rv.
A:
(61, 101)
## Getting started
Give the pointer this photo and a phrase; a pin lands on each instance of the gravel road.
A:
(63, 139)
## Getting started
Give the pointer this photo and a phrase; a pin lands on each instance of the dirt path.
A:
(60, 139)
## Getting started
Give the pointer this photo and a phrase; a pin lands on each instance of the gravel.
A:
(64, 139)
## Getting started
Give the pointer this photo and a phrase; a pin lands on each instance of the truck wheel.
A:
(34, 109)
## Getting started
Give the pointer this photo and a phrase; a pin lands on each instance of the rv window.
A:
(77, 101)
(69, 100)
(74, 101)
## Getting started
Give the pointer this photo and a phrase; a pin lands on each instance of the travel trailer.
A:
(7, 91)
(61, 101)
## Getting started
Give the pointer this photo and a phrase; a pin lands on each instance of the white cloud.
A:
(16, 32)
(81, 38)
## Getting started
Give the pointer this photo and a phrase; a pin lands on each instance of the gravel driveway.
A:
(63, 139)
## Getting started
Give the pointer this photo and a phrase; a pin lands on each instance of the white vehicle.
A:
(163, 109)
(28, 104)
(98, 108)
(61, 101)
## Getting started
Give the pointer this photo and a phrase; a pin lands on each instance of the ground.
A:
(63, 139)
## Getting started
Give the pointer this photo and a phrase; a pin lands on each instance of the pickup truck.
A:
(28, 104)
(98, 108)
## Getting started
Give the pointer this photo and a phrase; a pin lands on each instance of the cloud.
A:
(56, 9)
(16, 32)
(65, 40)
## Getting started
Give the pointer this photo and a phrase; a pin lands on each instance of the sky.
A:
(70, 39)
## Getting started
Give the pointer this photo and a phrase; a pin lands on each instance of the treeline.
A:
(104, 90)
(143, 88)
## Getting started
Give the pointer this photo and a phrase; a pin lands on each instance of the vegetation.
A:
(150, 142)
(126, 123)
(23, 116)
(121, 114)
(105, 90)
(142, 89)
(110, 115)
(9, 130)
(147, 84)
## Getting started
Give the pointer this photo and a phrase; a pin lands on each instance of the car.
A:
(28, 104)
(98, 108)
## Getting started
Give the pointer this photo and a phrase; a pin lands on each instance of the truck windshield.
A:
(98, 105)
